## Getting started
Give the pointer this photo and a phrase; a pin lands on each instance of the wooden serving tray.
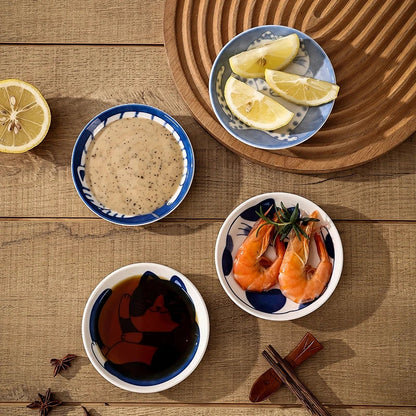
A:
(372, 46)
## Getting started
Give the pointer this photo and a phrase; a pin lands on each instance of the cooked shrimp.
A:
(252, 270)
(299, 281)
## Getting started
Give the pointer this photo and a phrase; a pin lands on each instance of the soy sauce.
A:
(147, 329)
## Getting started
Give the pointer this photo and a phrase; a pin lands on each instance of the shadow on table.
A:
(69, 117)
(334, 351)
(354, 300)
(76, 366)
(371, 171)
(212, 158)
(77, 410)
(91, 411)
(211, 196)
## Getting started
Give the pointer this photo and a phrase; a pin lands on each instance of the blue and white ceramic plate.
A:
(311, 61)
(93, 343)
(272, 305)
(91, 130)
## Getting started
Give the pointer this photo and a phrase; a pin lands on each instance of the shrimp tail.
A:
(320, 246)
(323, 272)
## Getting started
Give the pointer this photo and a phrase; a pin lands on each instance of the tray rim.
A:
(273, 159)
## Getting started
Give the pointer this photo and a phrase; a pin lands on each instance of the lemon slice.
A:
(275, 55)
(301, 90)
(254, 108)
(24, 116)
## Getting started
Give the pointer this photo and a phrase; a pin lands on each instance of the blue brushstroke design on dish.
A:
(113, 368)
(177, 280)
(304, 305)
(244, 229)
(250, 214)
(95, 313)
(269, 302)
(227, 257)
(329, 244)
(227, 262)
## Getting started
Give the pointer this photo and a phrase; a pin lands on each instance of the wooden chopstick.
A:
(289, 377)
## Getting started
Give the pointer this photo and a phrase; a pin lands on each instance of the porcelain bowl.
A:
(311, 61)
(87, 136)
(93, 339)
(272, 304)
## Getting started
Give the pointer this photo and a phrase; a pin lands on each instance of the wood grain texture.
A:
(143, 410)
(81, 22)
(366, 327)
(371, 46)
(88, 56)
(39, 184)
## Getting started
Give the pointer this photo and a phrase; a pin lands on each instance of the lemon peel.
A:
(275, 55)
(25, 116)
(254, 108)
(301, 90)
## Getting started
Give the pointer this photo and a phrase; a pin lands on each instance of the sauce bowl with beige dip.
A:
(132, 164)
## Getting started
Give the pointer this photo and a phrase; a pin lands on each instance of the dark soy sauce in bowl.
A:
(147, 329)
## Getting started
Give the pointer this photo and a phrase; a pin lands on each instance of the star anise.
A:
(62, 364)
(45, 403)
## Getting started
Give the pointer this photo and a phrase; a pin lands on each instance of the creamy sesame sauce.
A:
(134, 166)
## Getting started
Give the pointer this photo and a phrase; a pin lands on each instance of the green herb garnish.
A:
(286, 221)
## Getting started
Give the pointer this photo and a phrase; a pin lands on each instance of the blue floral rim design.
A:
(311, 61)
(88, 134)
(96, 340)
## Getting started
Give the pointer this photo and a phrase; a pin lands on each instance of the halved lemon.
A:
(254, 108)
(24, 116)
(275, 55)
(301, 90)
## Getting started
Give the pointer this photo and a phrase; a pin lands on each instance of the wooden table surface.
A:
(86, 56)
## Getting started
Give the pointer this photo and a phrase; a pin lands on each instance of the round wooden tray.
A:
(371, 45)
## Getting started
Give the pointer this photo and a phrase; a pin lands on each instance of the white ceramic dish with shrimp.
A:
(272, 304)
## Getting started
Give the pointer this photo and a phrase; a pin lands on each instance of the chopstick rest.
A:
(289, 377)
(269, 381)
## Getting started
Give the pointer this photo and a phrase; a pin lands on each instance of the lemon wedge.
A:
(24, 116)
(275, 55)
(254, 108)
(301, 90)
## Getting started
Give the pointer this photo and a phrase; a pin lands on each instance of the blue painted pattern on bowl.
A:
(91, 130)
(93, 343)
(311, 61)
(96, 344)
(272, 304)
